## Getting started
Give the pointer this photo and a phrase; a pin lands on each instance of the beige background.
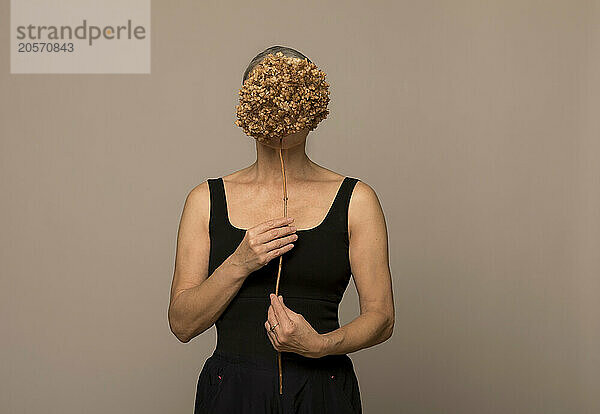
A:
(476, 123)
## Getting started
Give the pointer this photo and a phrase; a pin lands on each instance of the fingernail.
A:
(280, 297)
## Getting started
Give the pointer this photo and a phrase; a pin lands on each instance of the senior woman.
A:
(284, 352)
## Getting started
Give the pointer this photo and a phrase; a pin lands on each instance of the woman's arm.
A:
(197, 300)
(370, 268)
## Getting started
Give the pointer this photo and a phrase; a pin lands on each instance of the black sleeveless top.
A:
(314, 276)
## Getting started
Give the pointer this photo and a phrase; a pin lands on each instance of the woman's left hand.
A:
(292, 332)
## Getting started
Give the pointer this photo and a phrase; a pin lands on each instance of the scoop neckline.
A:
(329, 211)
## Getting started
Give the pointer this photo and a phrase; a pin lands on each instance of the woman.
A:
(231, 238)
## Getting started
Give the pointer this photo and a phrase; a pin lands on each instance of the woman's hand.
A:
(264, 242)
(292, 333)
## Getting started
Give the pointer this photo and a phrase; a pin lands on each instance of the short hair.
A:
(287, 52)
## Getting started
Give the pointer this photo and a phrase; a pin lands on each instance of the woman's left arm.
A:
(367, 235)
(369, 260)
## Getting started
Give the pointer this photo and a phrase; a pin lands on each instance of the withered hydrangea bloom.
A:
(281, 96)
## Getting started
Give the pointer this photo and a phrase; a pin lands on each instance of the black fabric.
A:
(314, 277)
(237, 385)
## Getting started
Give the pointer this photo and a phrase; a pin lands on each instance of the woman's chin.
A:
(276, 144)
(286, 142)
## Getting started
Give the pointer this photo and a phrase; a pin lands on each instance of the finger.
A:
(272, 334)
(276, 344)
(289, 312)
(278, 252)
(274, 323)
(271, 224)
(284, 306)
(273, 320)
(281, 242)
(271, 317)
(272, 338)
(275, 234)
(280, 312)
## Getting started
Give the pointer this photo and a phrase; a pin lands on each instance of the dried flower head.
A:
(281, 96)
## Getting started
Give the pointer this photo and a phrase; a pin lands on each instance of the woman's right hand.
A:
(264, 242)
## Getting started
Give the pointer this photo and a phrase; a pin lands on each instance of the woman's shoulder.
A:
(364, 202)
(236, 176)
(325, 174)
(361, 188)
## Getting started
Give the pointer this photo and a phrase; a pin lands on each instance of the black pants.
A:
(230, 384)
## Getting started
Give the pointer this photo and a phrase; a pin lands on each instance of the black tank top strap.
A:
(218, 208)
(339, 209)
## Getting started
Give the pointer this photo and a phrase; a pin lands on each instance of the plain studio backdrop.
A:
(475, 122)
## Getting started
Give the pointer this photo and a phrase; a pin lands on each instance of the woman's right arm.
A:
(196, 300)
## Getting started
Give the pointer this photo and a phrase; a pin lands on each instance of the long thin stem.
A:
(281, 257)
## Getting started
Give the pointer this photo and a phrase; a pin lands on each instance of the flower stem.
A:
(281, 257)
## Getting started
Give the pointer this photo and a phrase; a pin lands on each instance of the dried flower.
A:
(281, 96)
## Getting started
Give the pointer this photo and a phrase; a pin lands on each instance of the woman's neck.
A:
(267, 167)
